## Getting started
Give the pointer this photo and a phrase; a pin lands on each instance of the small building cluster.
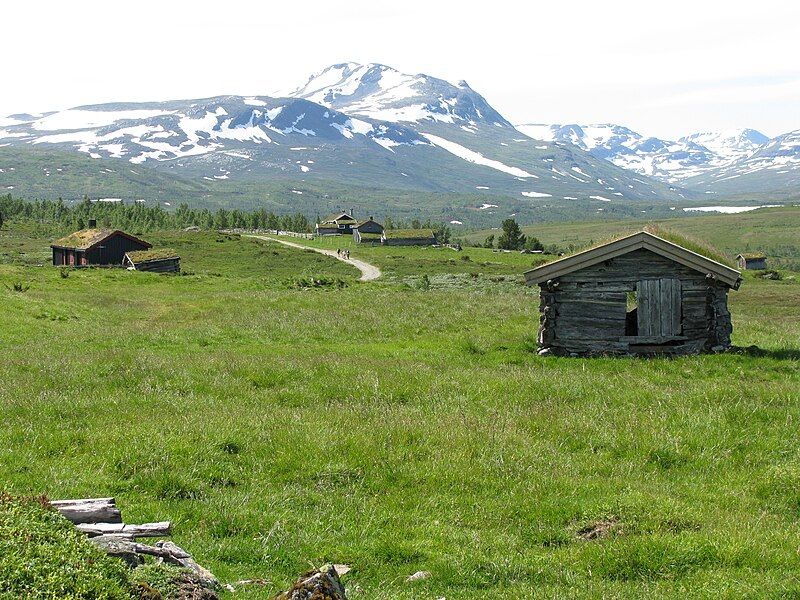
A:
(336, 224)
(370, 231)
(640, 294)
(95, 246)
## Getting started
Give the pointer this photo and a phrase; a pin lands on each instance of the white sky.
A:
(662, 68)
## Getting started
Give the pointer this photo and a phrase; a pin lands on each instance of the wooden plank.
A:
(656, 339)
(89, 510)
(159, 529)
(676, 308)
(645, 313)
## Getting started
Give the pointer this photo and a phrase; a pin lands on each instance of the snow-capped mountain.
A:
(729, 145)
(364, 126)
(383, 93)
(773, 167)
(672, 161)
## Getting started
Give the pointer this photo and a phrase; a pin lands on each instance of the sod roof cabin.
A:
(163, 260)
(93, 246)
(640, 294)
(337, 223)
(752, 261)
(368, 230)
(409, 237)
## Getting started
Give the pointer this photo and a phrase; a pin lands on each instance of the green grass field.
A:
(396, 427)
(772, 230)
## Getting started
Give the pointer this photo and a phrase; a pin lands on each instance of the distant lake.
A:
(728, 209)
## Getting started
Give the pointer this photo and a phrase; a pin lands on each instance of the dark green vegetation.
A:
(63, 217)
(396, 426)
(42, 555)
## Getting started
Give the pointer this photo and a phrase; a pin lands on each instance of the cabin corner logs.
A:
(634, 299)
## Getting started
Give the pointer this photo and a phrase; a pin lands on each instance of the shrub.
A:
(18, 287)
(42, 555)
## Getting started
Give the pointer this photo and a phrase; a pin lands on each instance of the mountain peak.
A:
(383, 93)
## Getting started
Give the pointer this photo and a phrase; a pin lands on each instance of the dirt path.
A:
(368, 272)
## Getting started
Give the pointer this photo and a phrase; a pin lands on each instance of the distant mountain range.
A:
(704, 162)
(368, 133)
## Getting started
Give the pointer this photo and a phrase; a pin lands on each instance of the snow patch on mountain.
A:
(476, 157)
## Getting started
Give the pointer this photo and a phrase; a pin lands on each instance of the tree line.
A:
(140, 217)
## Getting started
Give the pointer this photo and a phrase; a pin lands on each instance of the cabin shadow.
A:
(776, 354)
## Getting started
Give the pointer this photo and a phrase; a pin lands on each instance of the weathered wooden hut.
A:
(338, 223)
(163, 260)
(95, 246)
(640, 294)
(409, 237)
(367, 231)
(752, 261)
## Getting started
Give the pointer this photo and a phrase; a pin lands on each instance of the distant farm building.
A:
(409, 237)
(752, 261)
(339, 223)
(95, 246)
(640, 294)
(367, 231)
(162, 260)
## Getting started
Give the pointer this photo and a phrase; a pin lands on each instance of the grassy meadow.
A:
(396, 427)
(770, 230)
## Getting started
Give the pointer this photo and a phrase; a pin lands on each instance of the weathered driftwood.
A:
(90, 510)
(101, 520)
(160, 529)
(174, 554)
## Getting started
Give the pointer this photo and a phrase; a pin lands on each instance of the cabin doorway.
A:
(631, 314)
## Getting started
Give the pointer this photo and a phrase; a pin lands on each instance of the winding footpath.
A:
(368, 272)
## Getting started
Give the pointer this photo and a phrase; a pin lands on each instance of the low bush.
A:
(42, 555)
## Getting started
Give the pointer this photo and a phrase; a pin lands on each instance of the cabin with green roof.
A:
(368, 230)
(409, 237)
(639, 294)
(336, 224)
(752, 261)
(161, 260)
(95, 246)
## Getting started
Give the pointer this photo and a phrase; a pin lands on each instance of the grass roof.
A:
(371, 236)
(700, 247)
(85, 238)
(753, 255)
(689, 243)
(140, 256)
(409, 234)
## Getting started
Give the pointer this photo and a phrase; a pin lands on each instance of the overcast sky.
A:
(662, 68)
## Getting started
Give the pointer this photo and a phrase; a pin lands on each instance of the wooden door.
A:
(659, 307)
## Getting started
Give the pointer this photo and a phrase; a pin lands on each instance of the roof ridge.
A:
(629, 243)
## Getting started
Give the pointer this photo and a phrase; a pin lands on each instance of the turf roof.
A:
(140, 256)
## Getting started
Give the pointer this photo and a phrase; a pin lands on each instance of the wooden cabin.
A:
(752, 261)
(336, 224)
(409, 237)
(95, 246)
(367, 231)
(640, 294)
(163, 260)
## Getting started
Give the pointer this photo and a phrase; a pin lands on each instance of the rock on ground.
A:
(323, 584)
